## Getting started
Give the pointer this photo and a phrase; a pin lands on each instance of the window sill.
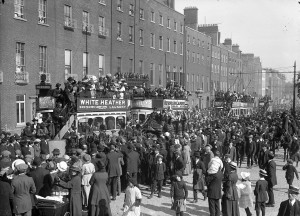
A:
(44, 24)
(142, 19)
(181, 54)
(132, 15)
(169, 28)
(20, 125)
(130, 42)
(161, 50)
(19, 18)
(175, 53)
(141, 45)
(119, 39)
(69, 28)
(152, 48)
(168, 51)
(120, 10)
(161, 25)
(152, 21)
(102, 3)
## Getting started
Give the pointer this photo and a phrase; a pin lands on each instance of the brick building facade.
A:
(79, 37)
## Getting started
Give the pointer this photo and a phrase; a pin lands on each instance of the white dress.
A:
(245, 190)
(131, 195)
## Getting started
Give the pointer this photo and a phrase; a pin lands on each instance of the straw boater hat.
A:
(263, 172)
(293, 190)
(233, 165)
(62, 166)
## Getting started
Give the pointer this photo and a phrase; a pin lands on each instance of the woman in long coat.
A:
(230, 197)
(186, 155)
(99, 196)
(245, 200)
(74, 185)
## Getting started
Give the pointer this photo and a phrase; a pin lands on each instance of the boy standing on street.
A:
(289, 173)
(260, 192)
(158, 172)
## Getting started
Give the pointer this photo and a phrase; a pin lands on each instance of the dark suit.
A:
(286, 210)
(158, 174)
(272, 179)
(178, 165)
(261, 196)
(214, 193)
(263, 159)
(113, 171)
(132, 164)
(232, 152)
(22, 187)
(42, 180)
(289, 174)
(250, 151)
(6, 199)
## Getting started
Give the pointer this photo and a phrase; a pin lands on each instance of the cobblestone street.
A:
(162, 206)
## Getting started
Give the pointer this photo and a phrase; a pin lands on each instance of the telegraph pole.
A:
(294, 92)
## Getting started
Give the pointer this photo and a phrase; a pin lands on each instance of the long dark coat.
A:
(271, 170)
(22, 187)
(230, 197)
(6, 198)
(74, 185)
(198, 175)
(99, 197)
(214, 184)
(42, 180)
(112, 161)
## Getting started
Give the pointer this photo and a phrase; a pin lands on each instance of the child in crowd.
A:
(290, 170)
(260, 192)
(158, 171)
(179, 193)
(133, 199)
(245, 199)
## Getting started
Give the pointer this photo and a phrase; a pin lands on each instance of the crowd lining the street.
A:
(170, 145)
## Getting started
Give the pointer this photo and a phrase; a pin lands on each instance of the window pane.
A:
(18, 112)
(22, 112)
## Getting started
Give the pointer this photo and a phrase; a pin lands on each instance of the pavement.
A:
(162, 206)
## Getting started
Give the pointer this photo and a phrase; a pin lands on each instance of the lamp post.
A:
(199, 93)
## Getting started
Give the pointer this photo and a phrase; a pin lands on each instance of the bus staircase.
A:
(58, 141)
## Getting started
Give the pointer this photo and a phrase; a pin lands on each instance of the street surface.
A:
(162, 206)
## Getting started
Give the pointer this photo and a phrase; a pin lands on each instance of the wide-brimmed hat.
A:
(16, 163)
(263, 172)
(62, 166)
(293, 189)
(245, 175)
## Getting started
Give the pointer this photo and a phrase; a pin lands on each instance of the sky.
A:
(268, 28)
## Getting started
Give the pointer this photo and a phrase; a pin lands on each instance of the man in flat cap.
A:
(292, 205)
(22, 186)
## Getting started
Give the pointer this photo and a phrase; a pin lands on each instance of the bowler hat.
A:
(56, 151)
(37, 161)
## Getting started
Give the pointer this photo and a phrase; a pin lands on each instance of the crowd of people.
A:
(230, 97)
(97, 168)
